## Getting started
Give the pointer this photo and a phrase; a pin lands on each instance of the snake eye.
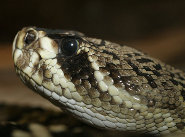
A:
(69, 46)
(29, 37)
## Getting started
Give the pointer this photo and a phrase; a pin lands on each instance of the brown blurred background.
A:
(156, 27)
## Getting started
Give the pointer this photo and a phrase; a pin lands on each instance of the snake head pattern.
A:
(105, 84)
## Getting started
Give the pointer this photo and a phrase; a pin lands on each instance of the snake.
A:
(102, 83)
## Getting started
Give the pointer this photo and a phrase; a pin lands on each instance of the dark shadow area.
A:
(113, 20)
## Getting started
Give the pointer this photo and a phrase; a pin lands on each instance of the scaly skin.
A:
(103, 83)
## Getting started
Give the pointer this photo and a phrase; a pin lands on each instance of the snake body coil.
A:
(103, 83)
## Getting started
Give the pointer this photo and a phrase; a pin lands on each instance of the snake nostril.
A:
(29, 37)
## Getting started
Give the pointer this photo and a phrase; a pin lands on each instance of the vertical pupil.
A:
(69, 46)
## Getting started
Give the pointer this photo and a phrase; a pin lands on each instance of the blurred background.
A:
(156, 27)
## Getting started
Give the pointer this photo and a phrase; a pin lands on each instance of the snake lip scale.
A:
(100, 82)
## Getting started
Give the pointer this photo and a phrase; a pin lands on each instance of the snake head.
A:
(70, 70)
(48, 56)
(61, 66)
(100, 82)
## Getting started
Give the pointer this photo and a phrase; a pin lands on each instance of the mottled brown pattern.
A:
(140, 73)
(153, 81)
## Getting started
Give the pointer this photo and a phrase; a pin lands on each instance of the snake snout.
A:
(25, 58)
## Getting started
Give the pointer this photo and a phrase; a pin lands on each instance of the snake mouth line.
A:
(52, 96)
(31, 83)
(78, 109)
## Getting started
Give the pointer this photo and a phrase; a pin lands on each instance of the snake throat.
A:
(102, 83)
